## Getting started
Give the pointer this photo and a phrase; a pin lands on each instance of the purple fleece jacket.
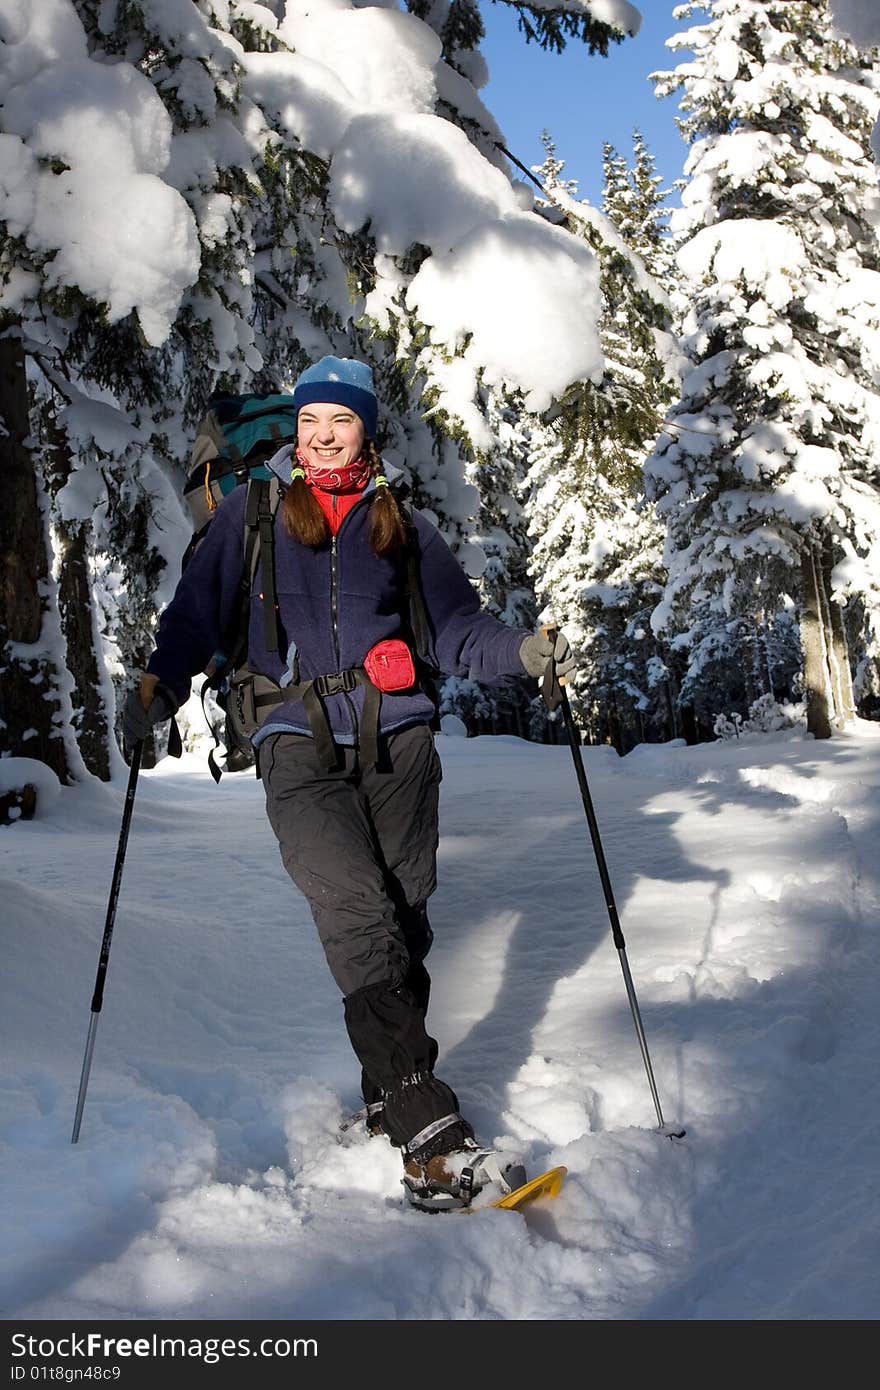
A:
(335, 603)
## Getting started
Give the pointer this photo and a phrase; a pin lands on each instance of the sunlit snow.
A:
(209, 1180)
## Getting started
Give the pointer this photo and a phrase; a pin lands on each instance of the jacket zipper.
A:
(334, 577)
(334, 599)
(334, 617)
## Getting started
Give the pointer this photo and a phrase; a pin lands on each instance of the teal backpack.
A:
(235, 439)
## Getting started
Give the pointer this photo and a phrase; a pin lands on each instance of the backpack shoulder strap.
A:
(421, 628)
(420, 623)
(261, 503)
(263, 499)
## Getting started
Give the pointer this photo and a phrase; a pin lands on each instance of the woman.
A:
(346, 752)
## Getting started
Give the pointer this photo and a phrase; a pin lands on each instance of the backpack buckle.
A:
(339, 683)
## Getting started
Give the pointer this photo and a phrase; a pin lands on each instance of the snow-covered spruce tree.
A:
(597, 554)
(479, 416)
(549, 172)
(30, 694)
(81, 146)
(96, 263)
(421, 313)
(859, 20)
(501, 538)
(634, 198)
(236, 169)
(767, 471)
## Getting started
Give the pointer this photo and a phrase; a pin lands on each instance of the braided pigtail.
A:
(388, 533)
(301, 514)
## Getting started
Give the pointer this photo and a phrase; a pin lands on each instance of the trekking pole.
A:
(98, 996)
(554, 694)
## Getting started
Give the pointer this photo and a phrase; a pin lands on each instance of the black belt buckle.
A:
(339, 683)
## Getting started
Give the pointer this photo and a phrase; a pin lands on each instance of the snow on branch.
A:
(593, 22)
(81, 162)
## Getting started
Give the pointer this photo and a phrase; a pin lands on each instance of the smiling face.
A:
(329, 436)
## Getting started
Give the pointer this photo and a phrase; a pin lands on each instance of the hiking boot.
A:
(449, 1181)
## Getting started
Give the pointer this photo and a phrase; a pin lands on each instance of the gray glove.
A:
(138, 719)
(537, 650)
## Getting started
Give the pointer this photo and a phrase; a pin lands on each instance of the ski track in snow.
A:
(209, 1181)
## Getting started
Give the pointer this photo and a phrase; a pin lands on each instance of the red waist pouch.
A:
(389, 665)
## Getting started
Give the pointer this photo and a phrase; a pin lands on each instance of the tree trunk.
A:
(759, 674)
(814, 645)
(29, 704)
(671, 711)
(77, 623)
(689, 727)
(838, 648)
(841, 652)
(76, 611)
(768, 660)
(615, 729)
(746, 647)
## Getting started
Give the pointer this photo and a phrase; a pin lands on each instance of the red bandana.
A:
(352, 478)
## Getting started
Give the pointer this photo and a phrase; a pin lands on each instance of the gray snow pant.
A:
(361, 845)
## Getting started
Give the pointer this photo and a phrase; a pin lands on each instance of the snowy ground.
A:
(209, 1182)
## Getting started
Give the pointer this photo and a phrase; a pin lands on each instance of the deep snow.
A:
(209, 1182)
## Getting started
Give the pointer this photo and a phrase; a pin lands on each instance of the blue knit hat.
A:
(341, 381)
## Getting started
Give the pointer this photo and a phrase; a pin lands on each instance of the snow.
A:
(758, 252)
(21, 772)
(108, 222)
(460, 93)
(301, 96)
(209, 1181)
(622, 16)
(384, 59)
(860, 19)
(527, 294)
(120, 185)
(581, 212)
(34, 35)
(366, 185)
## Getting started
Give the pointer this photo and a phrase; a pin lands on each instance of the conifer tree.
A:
(766, 473)
(634, 199)
(230, 170)
(597, 558)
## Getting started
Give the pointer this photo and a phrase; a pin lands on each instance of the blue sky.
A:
(584, 100)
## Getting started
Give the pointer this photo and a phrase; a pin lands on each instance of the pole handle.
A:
(551, 684)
